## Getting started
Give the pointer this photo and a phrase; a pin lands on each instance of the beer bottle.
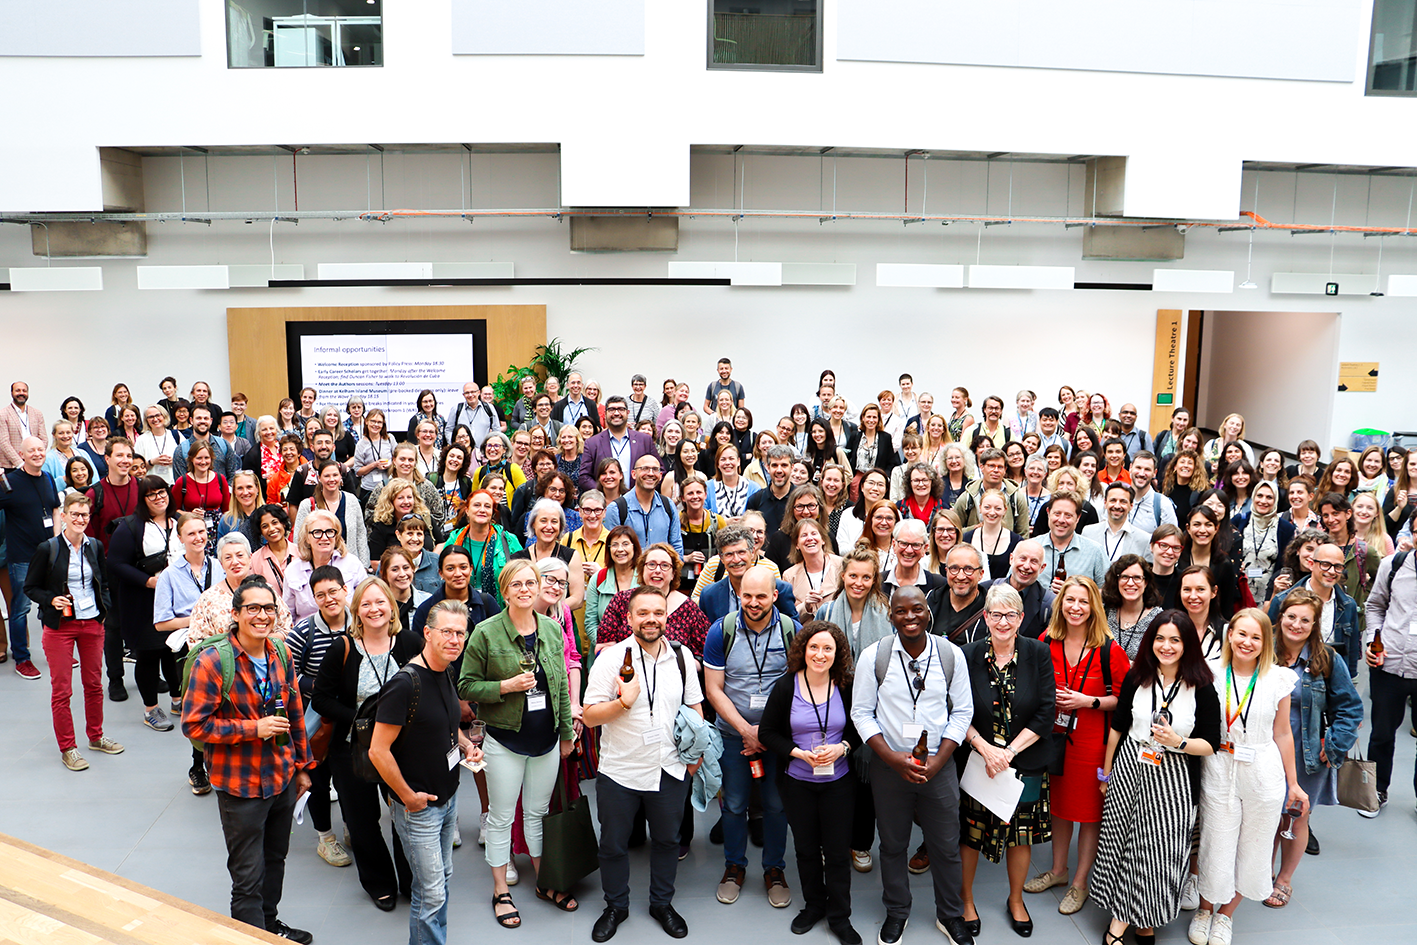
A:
(1377, 645)
(283, 738)
(627, 669)
(755, 765)
(1061, 572)
(921, 752)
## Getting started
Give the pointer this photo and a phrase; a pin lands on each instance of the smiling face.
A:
(1196, 595)
(1168, 646)
(991, 509)
(874, 486)
(1246, 638)
(1131, 583)
(821, 651)
(479, 509)
(1077, 609)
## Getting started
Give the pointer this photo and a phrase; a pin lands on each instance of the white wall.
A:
(1277, 369)
(779, 338)
(625, 123)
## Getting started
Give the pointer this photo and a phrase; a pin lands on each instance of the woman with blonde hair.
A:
(945, 531)
(404, 465)
(1368, 523)
(757, 470)
(1232, 430)
(395, 502)
(1088, 669)
(1250, 783)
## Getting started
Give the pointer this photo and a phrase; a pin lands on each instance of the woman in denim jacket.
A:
(1325, 711)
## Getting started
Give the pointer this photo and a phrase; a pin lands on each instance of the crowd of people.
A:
(1007, 630)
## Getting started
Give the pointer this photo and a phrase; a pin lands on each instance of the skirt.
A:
(981, 829)
(1145, 848)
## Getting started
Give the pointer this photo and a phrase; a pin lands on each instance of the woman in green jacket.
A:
(515, 671)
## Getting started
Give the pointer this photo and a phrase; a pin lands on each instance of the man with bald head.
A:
(912, 689)
(1025, 564)
(29, 498)
(745, 653)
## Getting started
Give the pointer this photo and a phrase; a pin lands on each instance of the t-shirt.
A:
(26, 504)
(807, 720)
(771, 507)
(751, 667)
(118, 501)
(422, 746)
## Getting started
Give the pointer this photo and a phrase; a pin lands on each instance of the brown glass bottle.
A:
(921, 752)
(1061, 572)
(1377, 645)
(627, 669)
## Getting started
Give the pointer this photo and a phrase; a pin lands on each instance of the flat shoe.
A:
(1045, 881)
(1072, 901)
(386, 903)
(1280, 897)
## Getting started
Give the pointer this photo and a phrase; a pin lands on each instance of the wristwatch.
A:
(1096, 703)
(1182, 747)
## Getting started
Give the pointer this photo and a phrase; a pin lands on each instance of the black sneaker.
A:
(117, 692)
(282, 930)
(1382, 802)
(197, 777)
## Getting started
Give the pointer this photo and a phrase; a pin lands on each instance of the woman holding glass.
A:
(1014, 707)
(515, 670)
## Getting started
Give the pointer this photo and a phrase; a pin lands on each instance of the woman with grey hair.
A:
(545, 528)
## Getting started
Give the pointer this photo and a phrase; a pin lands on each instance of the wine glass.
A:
(477, 732)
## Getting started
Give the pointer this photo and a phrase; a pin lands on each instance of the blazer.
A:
(775, 726)
(12, 434)
(43, 583)
(592, 410)
(337, 681)
(598, 448)
(886, 457)
(717, 600)
(1034, 702)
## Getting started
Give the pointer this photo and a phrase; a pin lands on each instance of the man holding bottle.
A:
(913, 708)
(745, 653)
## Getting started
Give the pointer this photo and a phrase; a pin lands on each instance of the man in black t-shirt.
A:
(417, 748)
(772, 501)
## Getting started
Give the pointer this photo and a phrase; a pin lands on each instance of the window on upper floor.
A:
(1392, 57)
(304, 33)
(765, 35)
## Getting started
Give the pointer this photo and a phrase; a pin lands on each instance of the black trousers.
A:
(820, 815)
(1391, 694)
(617, 807)
(113, 648)
(319, 806)
(257, 832)
(361, 806)
(863, 815)
(149, 661)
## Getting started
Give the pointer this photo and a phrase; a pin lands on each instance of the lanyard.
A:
(1166, 697)
(651, 685)
(1084, 668)
(206, 563)
(823, 718)
(909, 685)
(113, 491)
(1257, 544)
(1113, 549)
(753, 649)
(1242, 711)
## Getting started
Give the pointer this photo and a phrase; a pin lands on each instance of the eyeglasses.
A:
(593, 510)
(323, 533)
(648, 469)
(658, 565)
(1131, 579)
(957, 569)
(1003, 616)
(1166, 547)
(555, 582)
(452, 633)
(808, 507)
(1329, 566)
(910, 545)
(77, 516)
(524, 585)
(252, 610)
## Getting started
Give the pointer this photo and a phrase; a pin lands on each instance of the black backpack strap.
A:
(1107, 665)
(1397, 563)
(683, 671)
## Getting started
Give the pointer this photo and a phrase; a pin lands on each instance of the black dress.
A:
(132, 596)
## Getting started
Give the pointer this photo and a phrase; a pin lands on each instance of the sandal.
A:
(566, 903)
(1280, 897)
(1109, 939)
(507, 920)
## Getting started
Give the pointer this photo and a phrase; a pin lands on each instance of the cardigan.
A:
(1034, 704)
(775, 726)
(337, 680)
(1207, 727)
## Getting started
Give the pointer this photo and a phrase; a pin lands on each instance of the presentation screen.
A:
(387, 363)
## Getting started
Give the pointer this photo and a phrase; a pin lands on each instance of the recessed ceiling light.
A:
(356, 49)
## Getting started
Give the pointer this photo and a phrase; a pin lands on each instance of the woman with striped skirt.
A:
(1167, 719)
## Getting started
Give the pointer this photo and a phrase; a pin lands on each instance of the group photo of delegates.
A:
(903, 640)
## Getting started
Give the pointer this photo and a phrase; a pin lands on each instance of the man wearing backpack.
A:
(417, 749)
(241, 696)
(30, 501)
(653, 517)
(745, 653)
(1392, 676)
(68, 578)
(918, 695)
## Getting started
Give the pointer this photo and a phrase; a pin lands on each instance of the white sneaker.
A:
(1382, 802)
(482, 832)
(1220, 930)
(457, 836)
(1190, 893)
(512, 876)
(1199, 931)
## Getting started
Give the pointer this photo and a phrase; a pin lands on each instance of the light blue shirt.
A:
(886, 710)
(178, 589)
(1081, 556)
(660, 523)
(81, 583)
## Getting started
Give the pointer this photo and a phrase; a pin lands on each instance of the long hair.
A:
(384, 505)
(1097, 632)
(1198, 469)
(1111, 584)
(1220, 544)
(841, 671)
(1193, 669)
(356, 625)
(1320, 656)
(866, 556)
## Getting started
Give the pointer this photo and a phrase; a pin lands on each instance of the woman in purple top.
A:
(807, 722)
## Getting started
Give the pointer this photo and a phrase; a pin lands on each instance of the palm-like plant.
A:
(549, 361)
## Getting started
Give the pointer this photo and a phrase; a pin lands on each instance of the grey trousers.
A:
(935, 806)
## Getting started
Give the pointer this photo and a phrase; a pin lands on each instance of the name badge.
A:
(48, 521)
(536, 702)
(1062, 720)
(757, 702)
(1412, 627)
(1253, 573)
(824, 771)
(454, 756)
(653, 736)
(911, 732)
(1149, 756)
(1245, 754)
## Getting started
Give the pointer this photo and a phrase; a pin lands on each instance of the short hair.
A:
(77, 498)
(640, 591)
(991, 454)
(230, 538)
(1144, 454)
(733, 535)
(616, 399)
(544, 505)
(1114, 441)
(639, 379)
(326, 572)
(1167, 530)
(451, 550)
(447, 606)
(1050, 412)
(908, 524)
(780, 451)
(1002, 592)
(1119, 484)
(966, 546)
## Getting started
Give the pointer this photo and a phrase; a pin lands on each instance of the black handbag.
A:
(569, 849)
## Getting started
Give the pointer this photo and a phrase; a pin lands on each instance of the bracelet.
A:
(1012, 754)
(621, 699)
(1103, 776)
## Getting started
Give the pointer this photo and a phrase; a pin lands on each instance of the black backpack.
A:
(364, 723)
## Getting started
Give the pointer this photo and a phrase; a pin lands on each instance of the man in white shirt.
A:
(1149, 507)
(639, 764)
(920, 697)
(1117, 536)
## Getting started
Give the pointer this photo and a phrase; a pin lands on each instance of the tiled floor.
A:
(133, 814)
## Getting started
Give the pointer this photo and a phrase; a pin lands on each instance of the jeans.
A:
(19, 611)
(509, 776)
(1390, 694)
(935, 806)
(617, 806)
(59, 645)
(362, 808)
(427, 837)
(257, 832)
(737, 781)
(820, 814)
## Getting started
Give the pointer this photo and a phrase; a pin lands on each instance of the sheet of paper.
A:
(300, 806)
(999, 794)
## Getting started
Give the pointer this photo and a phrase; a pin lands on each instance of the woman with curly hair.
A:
(395, 503)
